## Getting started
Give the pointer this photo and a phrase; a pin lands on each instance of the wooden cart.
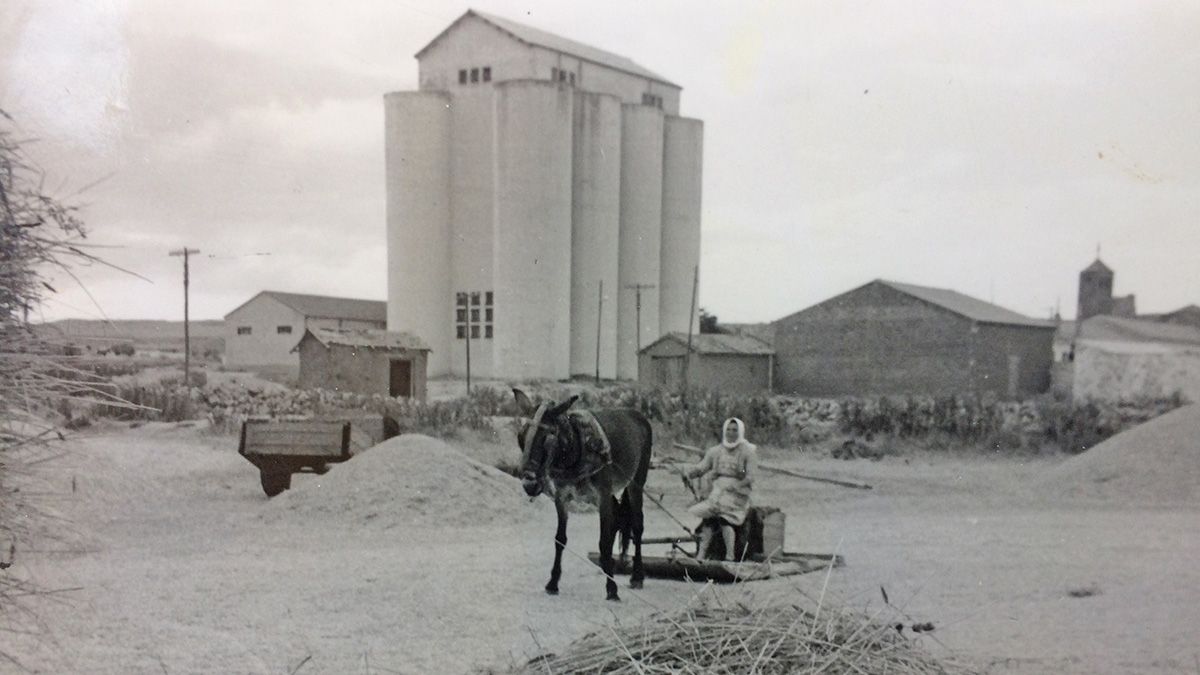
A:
(280, 448)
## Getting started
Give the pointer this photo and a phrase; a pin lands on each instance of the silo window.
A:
(475, 316)
(488, 298)
(562, 76)
(243, 330)
(488, 315)
(462, 76)
(475, 299)
(487, 331)
(462, 332)
(283, 330)
(487, 74)
(461, 299)
(474, 75)
(461, 316)
(474, 332)
(572, 79)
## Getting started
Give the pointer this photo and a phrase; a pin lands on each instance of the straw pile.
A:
(740, 639)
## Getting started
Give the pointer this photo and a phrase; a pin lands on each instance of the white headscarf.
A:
(741, 433)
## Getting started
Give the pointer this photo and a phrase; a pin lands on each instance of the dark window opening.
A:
(243, 330)
(474, 75)
(487, 332)
(572, 79)
(461, 315)
(488, 297)
(462, 332)
(474, 315)
(487, 74)
(474, 332)
(461, 299)
(562, 76)
(475, 298)
(462, 76)
(283, 330)
(488, 315)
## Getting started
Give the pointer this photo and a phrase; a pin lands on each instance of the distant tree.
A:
(708, 322)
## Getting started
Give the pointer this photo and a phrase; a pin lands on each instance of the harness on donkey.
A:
(578, 449)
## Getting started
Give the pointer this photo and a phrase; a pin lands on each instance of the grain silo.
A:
(527, 171)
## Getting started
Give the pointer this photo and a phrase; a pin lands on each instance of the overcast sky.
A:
(984, 147)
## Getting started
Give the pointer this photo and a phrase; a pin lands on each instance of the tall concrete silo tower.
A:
(536, 187)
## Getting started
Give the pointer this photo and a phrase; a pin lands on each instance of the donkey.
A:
(554, 460)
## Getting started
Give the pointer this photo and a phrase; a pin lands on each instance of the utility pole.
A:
(599, 323)
(187, 338)
(687, 358)
(638, 304)
(468, 336)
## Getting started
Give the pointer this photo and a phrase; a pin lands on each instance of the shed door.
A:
(400, 378)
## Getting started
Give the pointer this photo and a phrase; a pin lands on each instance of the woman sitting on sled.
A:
(732, 465)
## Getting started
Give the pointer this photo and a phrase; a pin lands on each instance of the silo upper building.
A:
(537, 189)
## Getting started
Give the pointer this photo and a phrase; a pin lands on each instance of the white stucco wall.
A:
(532, 263)
(474, 44)
(1128, 372)
(683, 145)
(641, 232)
(417, 158)
(595, 232)
(264, 346)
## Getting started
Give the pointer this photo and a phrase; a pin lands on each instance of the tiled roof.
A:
(378, 339)
(541, 38)
(326, 307)
(1118, 329)
(965, 305)
(719, 343)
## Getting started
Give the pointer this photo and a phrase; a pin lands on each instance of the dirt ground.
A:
(176, 562)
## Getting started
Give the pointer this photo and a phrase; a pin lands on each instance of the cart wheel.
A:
(274, 483)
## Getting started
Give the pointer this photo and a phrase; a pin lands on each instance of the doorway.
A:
(400, 378)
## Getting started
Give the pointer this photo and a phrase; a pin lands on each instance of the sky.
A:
(987, 147)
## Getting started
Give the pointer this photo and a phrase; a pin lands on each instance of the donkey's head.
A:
(539, 439)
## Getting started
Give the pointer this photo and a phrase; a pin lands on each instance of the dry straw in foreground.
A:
(738, 638)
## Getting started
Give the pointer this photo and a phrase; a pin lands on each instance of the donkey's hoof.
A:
(635, 583)
(551, 589)
(613, 597)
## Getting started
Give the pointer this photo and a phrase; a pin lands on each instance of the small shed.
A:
(730, 363)
(364, 361)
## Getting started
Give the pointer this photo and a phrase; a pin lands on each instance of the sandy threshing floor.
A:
(413, 558)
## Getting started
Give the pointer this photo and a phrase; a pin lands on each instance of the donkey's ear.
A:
(527, 407)
(562, 407)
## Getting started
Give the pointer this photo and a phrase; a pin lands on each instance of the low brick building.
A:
(364, 362)
(892, 338)
(726, 363)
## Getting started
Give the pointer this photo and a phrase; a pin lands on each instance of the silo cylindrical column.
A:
(417, 175)
(595, 234)
(640, 234)
(683, 141)
(532, 230)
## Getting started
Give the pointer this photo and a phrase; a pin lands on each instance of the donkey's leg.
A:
(608, 522)
(560, 540)
(636, 523)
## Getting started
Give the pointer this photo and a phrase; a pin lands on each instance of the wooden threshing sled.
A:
(758, 547)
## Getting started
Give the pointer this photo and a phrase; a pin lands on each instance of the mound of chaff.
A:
(739, 638)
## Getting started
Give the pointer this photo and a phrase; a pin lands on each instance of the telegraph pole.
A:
(599, 322)
(187, 340)
(638, 304)
(687, 359)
